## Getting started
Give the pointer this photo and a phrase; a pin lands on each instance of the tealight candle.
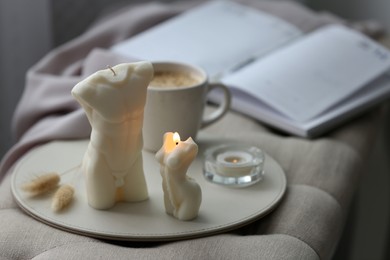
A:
(114, 100)
(234, 165)
(182, 194)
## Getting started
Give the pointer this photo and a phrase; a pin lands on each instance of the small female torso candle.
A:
(182, 194)
(114, 100)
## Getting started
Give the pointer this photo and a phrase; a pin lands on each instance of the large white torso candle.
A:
(114, 100)
(182, 195)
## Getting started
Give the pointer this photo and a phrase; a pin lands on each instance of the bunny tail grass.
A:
(42, 183)
(62, 198)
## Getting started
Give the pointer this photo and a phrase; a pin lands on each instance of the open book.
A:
(303, 84)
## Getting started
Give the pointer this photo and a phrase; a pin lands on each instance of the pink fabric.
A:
(47, 110)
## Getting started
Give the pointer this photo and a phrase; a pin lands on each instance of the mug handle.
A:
(222, 108)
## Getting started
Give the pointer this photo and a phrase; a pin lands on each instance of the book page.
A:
(305, 78)
(370, 95)
(218, 36)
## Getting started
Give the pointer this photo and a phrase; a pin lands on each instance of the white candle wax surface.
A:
(234, 163)
(113, 100)
(182, 194)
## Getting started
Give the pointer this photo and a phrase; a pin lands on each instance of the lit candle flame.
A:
(233, 159)
(176, 138)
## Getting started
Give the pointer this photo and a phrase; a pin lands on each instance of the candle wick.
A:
(113, 71)
(177, 143)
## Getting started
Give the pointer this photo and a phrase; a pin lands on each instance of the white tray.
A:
(222, 208)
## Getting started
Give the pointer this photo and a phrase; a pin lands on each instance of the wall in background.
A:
(25, 37)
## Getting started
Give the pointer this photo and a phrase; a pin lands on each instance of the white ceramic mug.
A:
(180, 109)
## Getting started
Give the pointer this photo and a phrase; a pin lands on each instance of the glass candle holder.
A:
(234, 165)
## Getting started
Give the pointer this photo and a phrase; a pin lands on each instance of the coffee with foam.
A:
(174, 79)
